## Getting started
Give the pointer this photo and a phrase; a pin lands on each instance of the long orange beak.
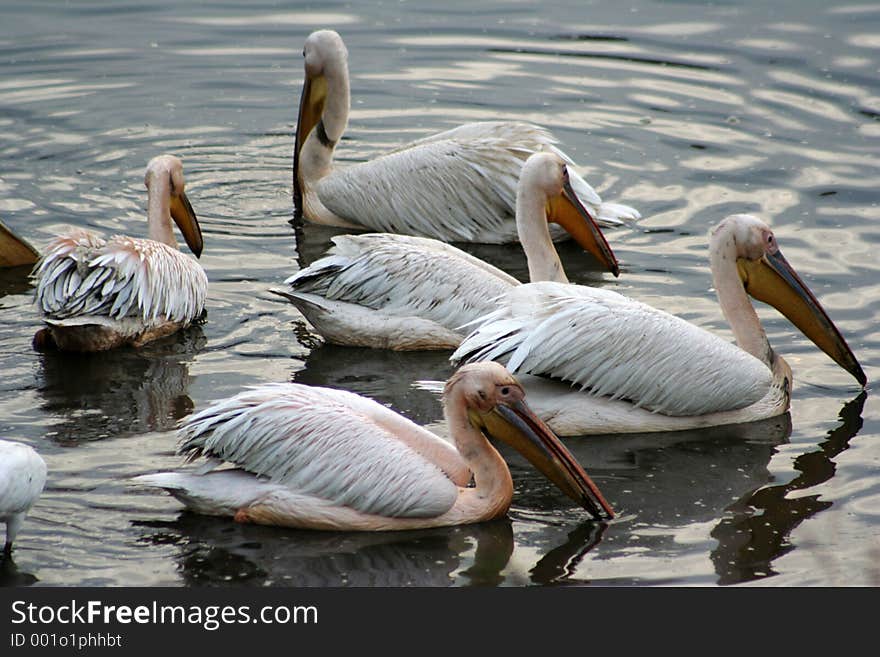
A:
(772, 280)
(518, 426)
(185, 217)
(567, 211)
(311, 107)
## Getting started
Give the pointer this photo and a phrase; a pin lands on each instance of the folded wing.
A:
(332, 445)
(613, 346)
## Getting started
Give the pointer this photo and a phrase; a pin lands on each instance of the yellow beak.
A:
(185, 217)
(515, 424)
(567, 211)
(14, 251)
(772, 280)
(311, 107)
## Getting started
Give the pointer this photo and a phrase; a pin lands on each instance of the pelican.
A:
(321, 458)
(98, 294)
(624, 366)
(455, 186)
(22, 477)
(407, 293)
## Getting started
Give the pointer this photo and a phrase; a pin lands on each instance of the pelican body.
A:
(97, 294)
(320, 458)
(22, 477)
(603, 363)
(408, 293)
(455, 186)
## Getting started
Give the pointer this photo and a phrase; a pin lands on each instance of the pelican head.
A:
(326, 72)
(547, 174)
(166, 195)
(767, 276)
(496, 406)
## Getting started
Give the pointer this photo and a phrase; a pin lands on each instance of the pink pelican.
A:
(321, 458)
(97, 294)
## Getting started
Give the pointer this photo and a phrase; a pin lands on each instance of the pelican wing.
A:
(526, 139)
(83, 274)
(458, 185)
(406, 277)
(615, 347)
(329, 444)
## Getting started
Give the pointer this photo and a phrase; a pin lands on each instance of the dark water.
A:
(687, 110)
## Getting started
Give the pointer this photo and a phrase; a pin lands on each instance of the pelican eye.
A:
(505, 391)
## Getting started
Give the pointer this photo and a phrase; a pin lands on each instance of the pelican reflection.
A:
(10, 575)
(120, 392)
(759, 529)
(668, 489)
(214, 552)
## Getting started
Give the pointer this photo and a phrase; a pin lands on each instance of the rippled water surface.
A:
(688, 111)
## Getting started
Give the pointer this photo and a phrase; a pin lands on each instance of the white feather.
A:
(82, 275)
(219, 493)
(406, 278)
(22, 477)
(328, 445)
(124, 290)
(615, 347)
(458, 185)
(384, 290)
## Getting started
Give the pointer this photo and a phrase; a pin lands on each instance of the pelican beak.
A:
(311, 107)
(772, 280)
(185, 217)
(516, 424)
(567, 211)
(15, 251)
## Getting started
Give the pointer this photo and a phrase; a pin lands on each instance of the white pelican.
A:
(22, 477)
(399, 292)
(14, 250)
(455, 186)
(98, 294)
(321, 458)
(641, 369)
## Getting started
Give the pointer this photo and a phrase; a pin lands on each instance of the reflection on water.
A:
(121, 392)
(14, 280)
(494, 547)
(759, 530)
(668, 491)
(10, 575)
(386, 376)
(221, 552)
(561, 563)
(218, 552)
